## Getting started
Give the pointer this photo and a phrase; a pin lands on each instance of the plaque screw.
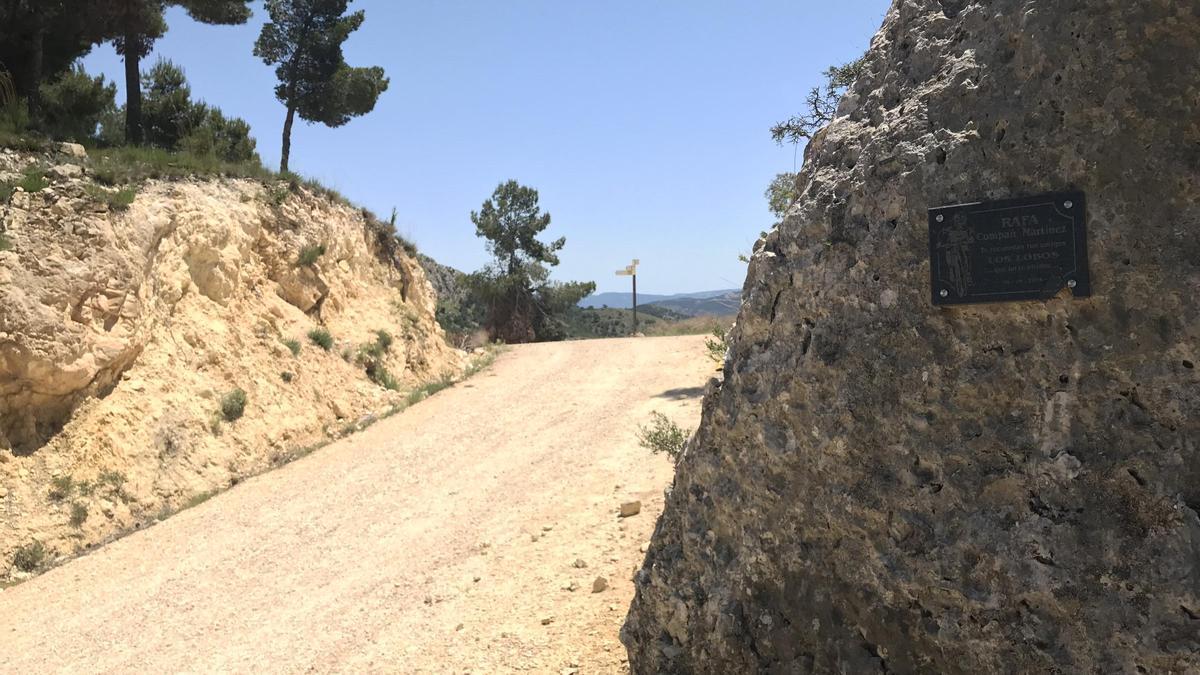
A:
(944, 292)
(1071, 283)
(940, 218)
(1068, 204)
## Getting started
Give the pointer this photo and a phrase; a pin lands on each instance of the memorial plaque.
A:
(1015, 249)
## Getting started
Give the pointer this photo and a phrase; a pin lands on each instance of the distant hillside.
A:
(718, 303)
(725, 304)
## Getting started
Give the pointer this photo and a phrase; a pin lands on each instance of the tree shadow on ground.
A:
(682, 393)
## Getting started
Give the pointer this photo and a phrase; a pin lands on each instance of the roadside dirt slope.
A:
(123, 330)
(439, 540)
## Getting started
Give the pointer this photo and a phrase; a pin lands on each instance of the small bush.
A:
(293, 346)
(61, 487)
(321, 338)
(384, 340)
(286, 376)
(717, 345)
(663, 435)
(309, 254)
(79, 515)
(30, 558)
(5, 244)
(33, 180)
(233, 405)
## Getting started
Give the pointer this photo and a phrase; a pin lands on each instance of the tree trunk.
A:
(133, 91)
(287, 139)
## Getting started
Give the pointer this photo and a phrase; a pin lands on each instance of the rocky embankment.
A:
(881, 485)
(126, 331)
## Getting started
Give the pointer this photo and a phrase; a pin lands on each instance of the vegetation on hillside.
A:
(820, 107)
(820, 104)
(45, 95)
(520, 303)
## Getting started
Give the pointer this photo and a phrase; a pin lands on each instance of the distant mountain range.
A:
(715, 303)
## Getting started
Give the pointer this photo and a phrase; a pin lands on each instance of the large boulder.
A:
(879, 484)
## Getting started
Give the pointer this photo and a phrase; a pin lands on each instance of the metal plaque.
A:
(1015, 249)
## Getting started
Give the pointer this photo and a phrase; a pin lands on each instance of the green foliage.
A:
(33, 179)
(226, 139)
(136, 24)
(278, 194)
(40, 39)
(429, 389)
(287, 376)
(233, 405)
(173, 121)
(117, 200)
(309, 254)
(168, 113)
(663, 435)
(511, 220)
(522, 304)
(61, 488)
(31, 557)
(303, 40)
(717, 344)
(321, 338)
(120, 166)
(5, 244)
(821, 104)
(293, 346)
(782, 193)
(371, 356)
(79, 515)
(73, 104)
(384, 339)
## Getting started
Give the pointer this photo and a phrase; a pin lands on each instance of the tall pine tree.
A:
(303, 39)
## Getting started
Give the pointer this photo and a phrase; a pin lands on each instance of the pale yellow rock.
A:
(121, 332)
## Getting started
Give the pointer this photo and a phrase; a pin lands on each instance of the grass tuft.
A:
(293, 346)
(118, 200)
(309, 254)
(321, 338)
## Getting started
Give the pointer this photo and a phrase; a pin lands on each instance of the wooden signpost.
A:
(631, 271)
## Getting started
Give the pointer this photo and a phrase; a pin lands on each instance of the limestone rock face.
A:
(122, 329)
(879, 485)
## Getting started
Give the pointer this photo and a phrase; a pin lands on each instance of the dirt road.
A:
(441, 540)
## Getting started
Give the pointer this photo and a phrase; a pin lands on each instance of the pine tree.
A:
(303, 39)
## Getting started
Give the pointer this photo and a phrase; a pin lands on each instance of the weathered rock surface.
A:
(882, 485)
(120, 332)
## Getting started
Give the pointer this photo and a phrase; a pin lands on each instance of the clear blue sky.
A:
(643, 125)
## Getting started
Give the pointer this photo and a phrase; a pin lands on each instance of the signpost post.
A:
(631, 271)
